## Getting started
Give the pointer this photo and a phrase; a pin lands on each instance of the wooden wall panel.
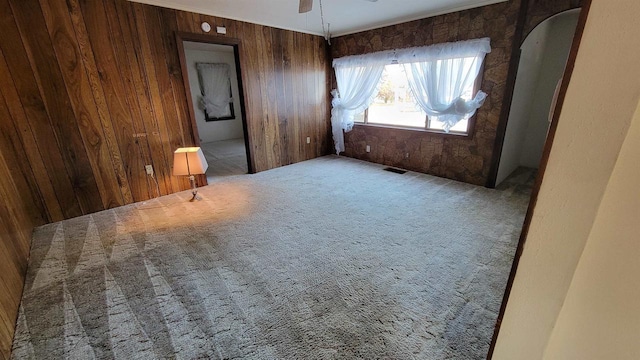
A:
(285, 76)
(91, 23)
(86, 97)
(139, 95)
(92, 90)
(31, 150)
(97, 89)
(67, 128)
(18, 78)
(20, 210)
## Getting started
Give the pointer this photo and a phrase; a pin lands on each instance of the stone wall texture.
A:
(540, 10)
(465, 159)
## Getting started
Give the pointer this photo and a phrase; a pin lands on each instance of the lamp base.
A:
(194, 190)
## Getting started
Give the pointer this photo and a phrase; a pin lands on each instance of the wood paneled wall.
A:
(20, 210)
(92, 90)
(97, 91)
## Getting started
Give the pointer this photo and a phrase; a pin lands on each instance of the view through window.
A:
(395, 105)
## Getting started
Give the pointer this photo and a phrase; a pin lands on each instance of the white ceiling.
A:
(345, 16)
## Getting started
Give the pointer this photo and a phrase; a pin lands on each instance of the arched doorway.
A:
(543, 58)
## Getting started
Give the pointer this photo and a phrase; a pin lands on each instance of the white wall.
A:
(542, 60)
(562, 27)
(213, 130)
(600, 318)
(528, 69)
(601, 101)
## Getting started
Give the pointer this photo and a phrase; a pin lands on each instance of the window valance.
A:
(440, 76)
(458, 49)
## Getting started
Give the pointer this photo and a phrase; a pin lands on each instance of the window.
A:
(392, 88)
(215, 87)
(396, 106)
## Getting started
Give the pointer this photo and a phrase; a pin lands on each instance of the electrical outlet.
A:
(406, 155)
(149, 169)
(368, 149)
(308, 140)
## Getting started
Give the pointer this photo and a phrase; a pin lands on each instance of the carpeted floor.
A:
(329, 258)
(225, 158)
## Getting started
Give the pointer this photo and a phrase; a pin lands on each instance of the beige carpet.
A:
(329, 258)
(225, 158)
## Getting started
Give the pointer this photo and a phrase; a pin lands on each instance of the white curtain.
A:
(214, 87)
(357, 78)
(441, 78)
(438, 76)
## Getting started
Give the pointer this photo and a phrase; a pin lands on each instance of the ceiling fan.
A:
(306, 5)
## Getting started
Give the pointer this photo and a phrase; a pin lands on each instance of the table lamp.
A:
(190, 161)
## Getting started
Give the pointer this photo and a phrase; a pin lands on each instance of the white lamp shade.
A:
(189, 161)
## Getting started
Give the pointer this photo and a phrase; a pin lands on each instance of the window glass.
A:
(396, 106)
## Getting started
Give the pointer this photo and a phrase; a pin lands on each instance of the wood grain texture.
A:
(92, 90)
(19, 79)
(96, 89)
(67, 128)
(20, 210)
(276, 63)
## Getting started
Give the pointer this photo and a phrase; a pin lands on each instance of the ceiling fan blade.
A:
(305, 6)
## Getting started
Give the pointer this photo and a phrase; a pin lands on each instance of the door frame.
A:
(218, 40)
(573, 53)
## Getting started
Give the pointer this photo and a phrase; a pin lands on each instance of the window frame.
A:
(471, 124)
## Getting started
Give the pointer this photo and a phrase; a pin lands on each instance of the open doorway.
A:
(213, 84)
(544, 55)
(525, 84)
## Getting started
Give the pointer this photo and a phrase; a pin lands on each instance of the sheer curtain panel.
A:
(214, 87)
(357, 78)
(441, 78)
